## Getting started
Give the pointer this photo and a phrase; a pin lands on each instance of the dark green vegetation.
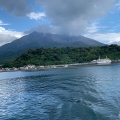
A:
(11, 51)
(67, 55)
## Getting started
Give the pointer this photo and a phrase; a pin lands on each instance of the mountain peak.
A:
(44, 40)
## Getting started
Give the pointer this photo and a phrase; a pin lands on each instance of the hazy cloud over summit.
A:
(75, 17)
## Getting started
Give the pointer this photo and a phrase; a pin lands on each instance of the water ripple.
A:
(82, 93)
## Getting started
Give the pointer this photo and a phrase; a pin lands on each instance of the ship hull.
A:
(103, 63)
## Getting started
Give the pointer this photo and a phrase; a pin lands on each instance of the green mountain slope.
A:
(67, 55)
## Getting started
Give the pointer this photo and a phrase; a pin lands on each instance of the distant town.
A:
(34, 67)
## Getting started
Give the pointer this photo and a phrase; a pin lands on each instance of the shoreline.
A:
(37, 68)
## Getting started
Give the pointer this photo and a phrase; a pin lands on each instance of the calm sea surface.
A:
(79, 93)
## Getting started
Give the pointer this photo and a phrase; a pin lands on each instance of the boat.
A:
(65, 66)
(103, 61)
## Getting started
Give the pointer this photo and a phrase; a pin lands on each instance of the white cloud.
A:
(2, 23)
(116, 8)
(107, 38)
(6, 39)
(94, 27)
(74, 16)
(11, 32)
(7, 36)
(117, 5)
(36, 16)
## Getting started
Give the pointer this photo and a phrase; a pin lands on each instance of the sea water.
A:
(76, 93)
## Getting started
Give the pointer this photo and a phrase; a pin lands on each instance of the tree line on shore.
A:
(55, 56)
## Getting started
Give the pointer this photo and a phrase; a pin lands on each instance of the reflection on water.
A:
(81, 93)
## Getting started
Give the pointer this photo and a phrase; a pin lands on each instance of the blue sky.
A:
(99, 19)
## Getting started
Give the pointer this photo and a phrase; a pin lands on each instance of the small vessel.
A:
(103, 61)
(65, 65)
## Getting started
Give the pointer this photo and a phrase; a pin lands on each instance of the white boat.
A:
(103, 61)
(65, 66)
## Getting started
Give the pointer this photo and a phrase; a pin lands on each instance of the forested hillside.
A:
(67, 55)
